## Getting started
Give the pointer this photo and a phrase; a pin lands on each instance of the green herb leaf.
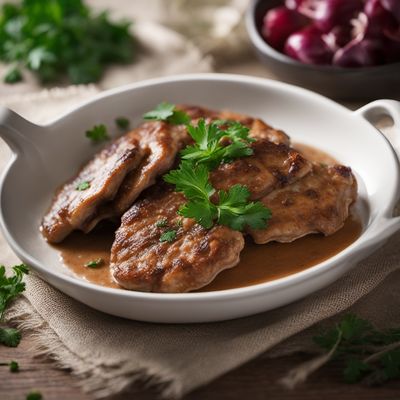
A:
(13, 75)
(83, 186)
(191, 180)
(10, 287)
(162, 223)
(202, 210)
(355, 370)
(34, 395)
(95, 263)
(10, 337)
(168, 236)
(14, 366)
(122, 122)
(236, 212)
(64, 38)
(98, 134)
(167, 112)
(209, 148)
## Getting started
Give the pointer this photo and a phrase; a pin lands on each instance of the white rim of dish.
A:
(384, 215)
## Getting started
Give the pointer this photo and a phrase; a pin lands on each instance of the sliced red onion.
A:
(379, 19)
(293, 4)
(308, 47)
(339, 36)
(360, 53)
(279, 23)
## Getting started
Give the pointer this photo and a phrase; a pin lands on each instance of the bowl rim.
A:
(262, 46)
(360, 243)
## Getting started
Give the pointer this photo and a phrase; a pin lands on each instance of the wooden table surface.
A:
(256, 380)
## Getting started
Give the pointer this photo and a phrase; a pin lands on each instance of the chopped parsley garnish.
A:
(95, 263)
(98, 134)
(83, 186)
(10, 287)
(162, 223)
(122, 122)
(61, 38)
(167, 112)
(34, 395)
(12, 365)
(168, 236)
(209, 148)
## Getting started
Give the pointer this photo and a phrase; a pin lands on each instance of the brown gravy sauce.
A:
(258, 263)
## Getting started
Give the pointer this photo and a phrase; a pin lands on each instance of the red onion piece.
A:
(393, 6)
(293, 4)
(279, 23)
(327, 14)
(379, 19)
(360, 53)
(308, 47)
(339, 36)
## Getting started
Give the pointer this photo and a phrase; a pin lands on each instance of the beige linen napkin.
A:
(109, 354)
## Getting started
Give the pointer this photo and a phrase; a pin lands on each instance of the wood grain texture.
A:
(255, 380)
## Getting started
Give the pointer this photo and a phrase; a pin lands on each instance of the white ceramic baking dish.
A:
(45, 156)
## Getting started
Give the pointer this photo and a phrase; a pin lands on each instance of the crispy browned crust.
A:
(317, 203)
(139, 261)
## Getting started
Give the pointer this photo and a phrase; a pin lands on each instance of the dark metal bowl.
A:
(340, 83)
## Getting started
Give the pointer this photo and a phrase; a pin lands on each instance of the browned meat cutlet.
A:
(258, 128)
(317, 203)
(139, 261)
(271, 166)
(73, 208)
(116, 175)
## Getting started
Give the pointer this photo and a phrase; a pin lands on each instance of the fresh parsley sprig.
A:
(10, 287)
(369, 355)
(232, 208)
(58, 37)
(169, 113)
(209, 148)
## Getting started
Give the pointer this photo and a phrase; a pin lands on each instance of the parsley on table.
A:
(97, 134)
(12, 365)
(95, 263)
(34, 395)
(209, 148)
(368, 354)
(61, 38)
(232, 208)
(168, 236)
(169, 113)
(10, 287)
(83, 186)
(122, 122)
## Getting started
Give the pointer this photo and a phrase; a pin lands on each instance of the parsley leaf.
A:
(63, 38)
(167, 112)
(11, 287)
(236, 212)
(10, 337)
(209, 147)
(95, 263)
(191, 180)
(122, 122)
(14, 366)
(82, 186)
(34, 395)
(369, 355)
(202, 210)
(97, 134)
(168, 236)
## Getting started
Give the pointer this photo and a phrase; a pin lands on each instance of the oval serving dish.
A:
(45, 156)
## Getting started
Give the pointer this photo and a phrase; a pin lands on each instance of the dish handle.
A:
(15, 130)
(372, 112)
